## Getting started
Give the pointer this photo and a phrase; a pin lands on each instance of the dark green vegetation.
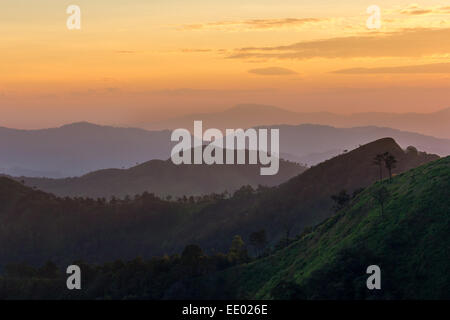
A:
(136, 279)
(36, 226)
(410, 242)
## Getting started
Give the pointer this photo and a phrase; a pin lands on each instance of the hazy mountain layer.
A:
(36, 226)
(435, 124)
(77, 149)
(80, 148)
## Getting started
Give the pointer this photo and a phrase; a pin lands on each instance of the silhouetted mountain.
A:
(37, 226)
(80, 148)
(165, 178)
(435, 124)
(303, 200)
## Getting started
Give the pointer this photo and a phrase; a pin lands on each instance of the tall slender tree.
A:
(390, 163)
(379, 160)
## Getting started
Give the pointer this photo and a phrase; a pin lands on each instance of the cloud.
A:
(188, 50)
(253, 24)
(405, 43)
(92, 91)
(415, 10)
(424, 68)
(212, 92)
(272, 71)
(124, 52)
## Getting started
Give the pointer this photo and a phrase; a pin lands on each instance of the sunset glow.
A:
(153, 59)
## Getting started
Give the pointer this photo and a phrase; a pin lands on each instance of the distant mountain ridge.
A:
(80, 148)
(312, 144)
(249, 115)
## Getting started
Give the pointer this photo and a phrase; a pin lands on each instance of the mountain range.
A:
(78, 148)
(81, 148)
(250, 115)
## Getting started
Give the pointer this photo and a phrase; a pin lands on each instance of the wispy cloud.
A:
(205, 92)
(272, 71)
(424, 68)
(406, 43)
(415, 10)
(253, 24)
(189, 50)
(125, 52)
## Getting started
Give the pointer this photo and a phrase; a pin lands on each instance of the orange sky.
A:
(139, 61)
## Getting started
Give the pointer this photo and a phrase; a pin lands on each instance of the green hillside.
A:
(410, 243)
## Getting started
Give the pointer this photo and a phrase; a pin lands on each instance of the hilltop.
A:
(410, 242)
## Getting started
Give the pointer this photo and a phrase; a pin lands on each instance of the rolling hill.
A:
(37, 226)
(408, 240)
(164, 178)
(410, 243)
(301, 201)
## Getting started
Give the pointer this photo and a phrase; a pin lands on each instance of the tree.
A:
(412, 150)
(258, 240)
(390, 163)
(244, 192)
(191, 258)
(381, 195)
(340, 200)
(238, 251)
(378, 160)
(191, 254)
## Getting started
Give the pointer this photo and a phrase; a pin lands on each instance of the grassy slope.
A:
(411, 244)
